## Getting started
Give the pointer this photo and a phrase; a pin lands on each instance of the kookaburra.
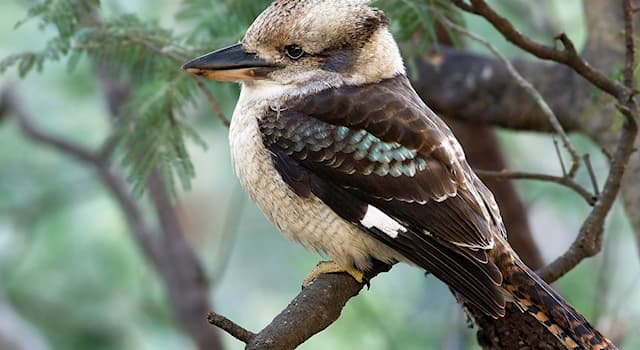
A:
(336, 148)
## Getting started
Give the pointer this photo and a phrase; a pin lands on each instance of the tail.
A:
(537, 298)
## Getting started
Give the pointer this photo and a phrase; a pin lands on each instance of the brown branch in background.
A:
(589, 240)
(560, 180)
(528, 87)
(630, 47)
(168, 253)
(568, 56)
(181, 270)
(478, 88)
(174, 260)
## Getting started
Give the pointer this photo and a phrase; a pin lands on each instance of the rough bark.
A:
(314, 309)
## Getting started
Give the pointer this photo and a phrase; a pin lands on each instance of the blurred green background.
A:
(72, 278)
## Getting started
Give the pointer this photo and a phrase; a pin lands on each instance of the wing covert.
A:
(378, 146)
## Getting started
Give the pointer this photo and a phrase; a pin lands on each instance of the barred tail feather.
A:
(537, 298)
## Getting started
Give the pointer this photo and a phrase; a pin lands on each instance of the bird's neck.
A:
(378, 60)
(261, 92)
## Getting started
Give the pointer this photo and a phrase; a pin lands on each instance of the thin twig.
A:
(560, 180)
(559, 155)
(13, 105)
(630, 45)
(528, 87)
(152, 47)
(592, 175)
(108, 147)
(230, 327)
(212, 101)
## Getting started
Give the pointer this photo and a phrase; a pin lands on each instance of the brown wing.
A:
(380, 145)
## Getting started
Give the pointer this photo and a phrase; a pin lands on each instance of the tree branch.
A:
(589, 240)
(230, 327)
(315, 308)
(13, 106)
(568, 56)
(477, 88)
(560, 180)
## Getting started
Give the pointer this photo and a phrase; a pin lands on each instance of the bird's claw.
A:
(332, 267)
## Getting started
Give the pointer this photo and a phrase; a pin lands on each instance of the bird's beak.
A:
(231, 63)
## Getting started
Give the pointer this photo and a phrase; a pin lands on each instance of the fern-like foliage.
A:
(152, 127)
(64, 16)
(221, 23)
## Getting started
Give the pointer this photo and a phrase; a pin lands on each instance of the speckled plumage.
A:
(305, 220)
(341, 154)
(369, 145)
(330, 145)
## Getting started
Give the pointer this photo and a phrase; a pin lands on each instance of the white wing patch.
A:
(376, 218)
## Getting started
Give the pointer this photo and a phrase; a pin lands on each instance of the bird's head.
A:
(307, 45)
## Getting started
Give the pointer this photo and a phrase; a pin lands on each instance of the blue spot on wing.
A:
(347, 150)
(340, 146)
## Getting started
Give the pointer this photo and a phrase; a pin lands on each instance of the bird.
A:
(333, 144)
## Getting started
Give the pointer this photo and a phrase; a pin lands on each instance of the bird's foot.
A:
(332, 267)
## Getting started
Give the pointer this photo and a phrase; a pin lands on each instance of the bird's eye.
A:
(294, 51)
